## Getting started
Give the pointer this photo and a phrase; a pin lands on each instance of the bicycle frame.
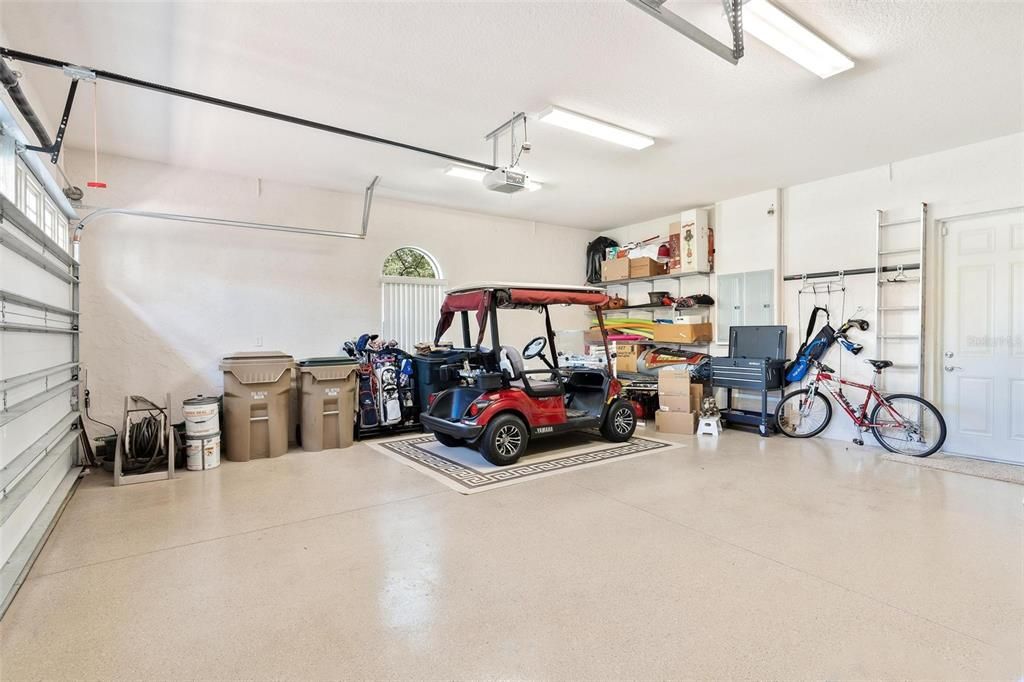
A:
(833, 386)
(908, 434)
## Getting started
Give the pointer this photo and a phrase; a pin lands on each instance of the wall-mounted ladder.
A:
(891, 278)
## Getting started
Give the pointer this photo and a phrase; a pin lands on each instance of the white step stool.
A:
(710, 426)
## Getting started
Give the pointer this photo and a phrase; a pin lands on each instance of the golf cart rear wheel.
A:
(620, 422)
(504, 441)
(448, 441)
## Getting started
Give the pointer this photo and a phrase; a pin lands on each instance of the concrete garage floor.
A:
(759, 558)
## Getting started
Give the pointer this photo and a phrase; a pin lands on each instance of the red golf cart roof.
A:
(525, 294)
(479, 286)
(476, 297)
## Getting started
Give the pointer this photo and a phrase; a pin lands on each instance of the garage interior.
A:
(539, 340)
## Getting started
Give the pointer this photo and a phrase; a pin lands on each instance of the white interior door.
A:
(983, 336)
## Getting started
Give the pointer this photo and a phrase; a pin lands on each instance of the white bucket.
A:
(201, 416)
(202, 452)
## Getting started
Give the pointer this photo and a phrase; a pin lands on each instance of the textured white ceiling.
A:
(929, 76)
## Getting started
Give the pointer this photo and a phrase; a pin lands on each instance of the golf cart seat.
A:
(512, 364)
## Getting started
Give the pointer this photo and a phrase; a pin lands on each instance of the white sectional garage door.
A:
(38, 362)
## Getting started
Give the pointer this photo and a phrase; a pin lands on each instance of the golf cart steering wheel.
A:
(535, 348)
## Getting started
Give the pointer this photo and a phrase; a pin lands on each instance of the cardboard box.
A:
(592, 337)
(677, 393)
(645, 267)
(696, 251)
(683, 333)
(616, 268)
(688, 402)
(625, 357)
(676, 422)
(674, 381)
(674, 403)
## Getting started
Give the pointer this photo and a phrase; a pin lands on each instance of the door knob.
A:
(948, 354)
(950, 368)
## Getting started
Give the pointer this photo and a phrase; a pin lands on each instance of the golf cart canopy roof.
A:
(477, 298)
(553, 288)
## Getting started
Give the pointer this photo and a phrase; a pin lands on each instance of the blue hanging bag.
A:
(811, 349)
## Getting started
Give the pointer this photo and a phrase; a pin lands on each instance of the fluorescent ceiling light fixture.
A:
(465, 172)
(591, 126)
(468, 173)
(778, 30)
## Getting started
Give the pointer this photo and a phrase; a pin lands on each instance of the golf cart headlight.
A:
(478, 406)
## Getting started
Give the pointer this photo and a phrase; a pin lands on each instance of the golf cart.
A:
(487, 399)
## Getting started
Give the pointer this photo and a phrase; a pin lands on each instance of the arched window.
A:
(411, 292)
(409, 261)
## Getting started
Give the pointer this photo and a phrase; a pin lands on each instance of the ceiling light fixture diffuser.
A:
(778, 30)
(595, 128)
(467, 173)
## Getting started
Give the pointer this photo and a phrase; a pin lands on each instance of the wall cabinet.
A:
(745, 298)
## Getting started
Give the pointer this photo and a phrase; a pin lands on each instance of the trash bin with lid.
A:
(327, 399)
(435, 372)
(256, 395)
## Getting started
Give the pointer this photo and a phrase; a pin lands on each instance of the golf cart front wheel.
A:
(448, 441)
(504, 441)
(620, 422)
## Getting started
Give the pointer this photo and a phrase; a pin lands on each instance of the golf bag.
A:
(367, 400)
(811, 349)
(387, 390)
(389, 407)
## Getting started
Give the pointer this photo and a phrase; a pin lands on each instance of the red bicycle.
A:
(902, 423)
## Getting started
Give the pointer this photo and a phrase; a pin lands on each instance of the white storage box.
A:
(692, 316)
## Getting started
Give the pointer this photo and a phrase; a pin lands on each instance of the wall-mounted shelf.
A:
(654, 307)
(633, 280)
(663, 343)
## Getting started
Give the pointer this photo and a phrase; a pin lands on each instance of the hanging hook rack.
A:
(846, 273)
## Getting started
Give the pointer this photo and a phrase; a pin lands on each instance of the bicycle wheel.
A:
(798, 415)
(908, 426)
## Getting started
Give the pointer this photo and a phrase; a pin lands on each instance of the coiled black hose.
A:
(145, 447)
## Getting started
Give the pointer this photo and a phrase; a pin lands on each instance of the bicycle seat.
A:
(879, 365)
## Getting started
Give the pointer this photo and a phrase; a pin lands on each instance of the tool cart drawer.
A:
(747, 373)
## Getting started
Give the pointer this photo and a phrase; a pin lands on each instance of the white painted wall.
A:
(829, 224)
(163, 301)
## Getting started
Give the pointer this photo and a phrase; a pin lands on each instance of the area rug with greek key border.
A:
(465, 470)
